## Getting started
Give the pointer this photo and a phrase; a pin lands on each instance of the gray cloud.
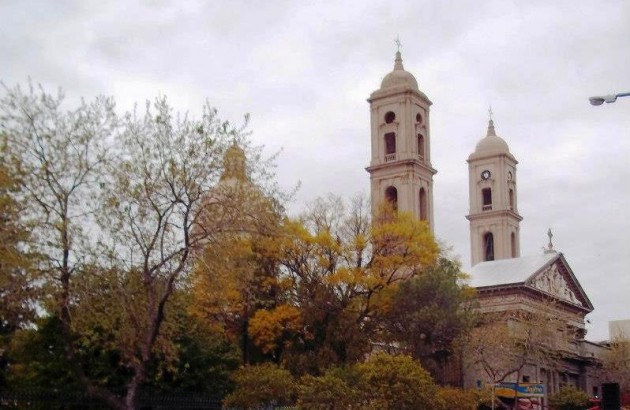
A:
(304, 69)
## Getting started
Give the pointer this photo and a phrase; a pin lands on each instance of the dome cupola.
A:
(491, 144)
(399, 77)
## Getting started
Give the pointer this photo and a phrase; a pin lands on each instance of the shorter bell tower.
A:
(493, 215)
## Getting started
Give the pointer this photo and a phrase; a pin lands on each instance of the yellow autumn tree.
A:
(340, 270)
(231, 279)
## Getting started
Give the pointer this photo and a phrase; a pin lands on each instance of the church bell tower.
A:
(494, 218)
(400, 167)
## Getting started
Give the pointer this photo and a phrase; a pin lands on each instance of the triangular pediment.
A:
(557, 280)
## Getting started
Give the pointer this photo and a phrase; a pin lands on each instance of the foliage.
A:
(115, 206)
(261, 385)
(504, 342)
(340, 272)
(329, 391)
(396, 382)
(17, 287)
(429, 312)
(569, 398)
(231, 279)
(459, 399)
(616, 363)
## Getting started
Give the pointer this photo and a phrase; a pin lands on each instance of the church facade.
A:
(509, 286)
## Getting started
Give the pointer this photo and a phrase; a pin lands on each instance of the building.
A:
(511, 287)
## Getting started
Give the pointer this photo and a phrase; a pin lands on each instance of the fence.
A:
(69, 400)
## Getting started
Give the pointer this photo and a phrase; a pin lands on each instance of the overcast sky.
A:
(304, 69)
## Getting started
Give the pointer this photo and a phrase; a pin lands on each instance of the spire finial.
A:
(549, 248)
(490, 123)
(398, 62)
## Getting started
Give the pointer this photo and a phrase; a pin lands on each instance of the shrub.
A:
(260, 386)
(569, 398)
(459, 398)
(327, 392)
(396, 382)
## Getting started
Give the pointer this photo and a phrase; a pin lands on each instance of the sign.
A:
(512, 390)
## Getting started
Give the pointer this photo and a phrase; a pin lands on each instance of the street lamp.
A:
(607, 98)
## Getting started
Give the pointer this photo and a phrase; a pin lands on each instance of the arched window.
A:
(390, 146)
(389, 117)
(418, 118)
(420, 146)
(511, 194)
(486, 196)
(488, 247)
(423, 204)
(391, 196)
(513, 243)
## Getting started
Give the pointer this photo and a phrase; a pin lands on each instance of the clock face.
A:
(509, 175)
(485, 174)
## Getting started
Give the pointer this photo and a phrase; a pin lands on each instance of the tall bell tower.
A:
(400, 168)
(494, 218)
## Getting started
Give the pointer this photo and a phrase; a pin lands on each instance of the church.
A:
(507, 284)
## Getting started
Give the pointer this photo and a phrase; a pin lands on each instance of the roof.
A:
(548, 273)
(399, 77)
(508, 271)
(490, 145)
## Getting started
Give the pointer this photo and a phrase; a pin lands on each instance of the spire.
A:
(491, 131)
(398, 65)
(398, 62)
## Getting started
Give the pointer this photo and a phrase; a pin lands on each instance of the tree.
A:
(116, 206)
(153, 220)
(17, 288)
(503, 343)
(429, 312)
(569, 398)
(616, 362)
(340, 272)
(329, 391)
(231, 279)
(261, 385)
(59, 156)
(396, 382)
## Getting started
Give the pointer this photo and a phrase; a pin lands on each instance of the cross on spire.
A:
(398, 43)
(490, 112)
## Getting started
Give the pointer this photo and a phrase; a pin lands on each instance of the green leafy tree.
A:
(261, 385)
(327, 392)
(429, 312)
(396, 382)
(115, 206)
(569, 398)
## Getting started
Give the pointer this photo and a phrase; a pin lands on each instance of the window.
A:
(511, 194)
(486, 195)
(525, 379)
(423, 204)
(419, 118)
(390, 117)
(391, 196)
(488, 247)
(390, 146)
(420, 146)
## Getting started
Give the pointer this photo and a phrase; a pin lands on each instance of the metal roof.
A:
(508, 271)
